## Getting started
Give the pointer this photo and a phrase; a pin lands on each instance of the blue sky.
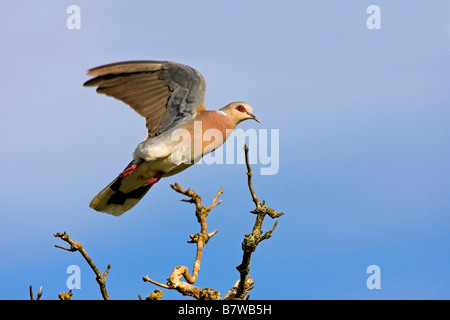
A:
(364, 146)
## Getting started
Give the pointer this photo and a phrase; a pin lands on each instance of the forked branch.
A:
(200, 239)
(251, 240)
(76, 246)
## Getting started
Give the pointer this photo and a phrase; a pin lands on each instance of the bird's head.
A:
(239, 111)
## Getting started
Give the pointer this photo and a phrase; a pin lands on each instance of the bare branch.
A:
(232, 293)
(214, 203)
(245, 283)
(147, 279)
(252, 239)
(200, 239)
(249, 175)
(240, 289)
(76, 246)
(39, 294)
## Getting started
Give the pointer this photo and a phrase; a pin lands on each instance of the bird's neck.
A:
(217, 120)
(223, 113)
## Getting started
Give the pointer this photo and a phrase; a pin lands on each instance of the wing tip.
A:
(122, 67)
(90, 82)
(126, 67)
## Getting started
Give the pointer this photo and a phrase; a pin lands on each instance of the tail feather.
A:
(113, 201)
(125, 191)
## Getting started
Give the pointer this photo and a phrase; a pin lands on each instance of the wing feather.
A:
(166, 94)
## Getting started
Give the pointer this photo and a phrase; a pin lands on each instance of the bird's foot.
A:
(128, 170)
(154, 179)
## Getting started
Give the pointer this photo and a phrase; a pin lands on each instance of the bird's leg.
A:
(131, 167)
(154, 179)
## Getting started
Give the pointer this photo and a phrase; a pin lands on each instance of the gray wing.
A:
(165, 93)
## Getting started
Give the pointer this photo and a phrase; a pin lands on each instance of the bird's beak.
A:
(254, 117)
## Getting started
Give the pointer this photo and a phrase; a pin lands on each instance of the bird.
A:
(171, 98)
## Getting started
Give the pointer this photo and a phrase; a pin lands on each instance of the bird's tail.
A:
(122, 194)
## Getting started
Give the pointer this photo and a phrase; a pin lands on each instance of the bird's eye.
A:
(240, 108)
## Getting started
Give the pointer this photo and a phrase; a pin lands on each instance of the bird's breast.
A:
(179, 148)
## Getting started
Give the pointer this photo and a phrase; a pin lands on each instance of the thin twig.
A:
(162, 285)
(249, 175)
(76, 246)
(39, 294)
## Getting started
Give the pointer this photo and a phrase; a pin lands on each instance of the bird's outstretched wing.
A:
(166, 94)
